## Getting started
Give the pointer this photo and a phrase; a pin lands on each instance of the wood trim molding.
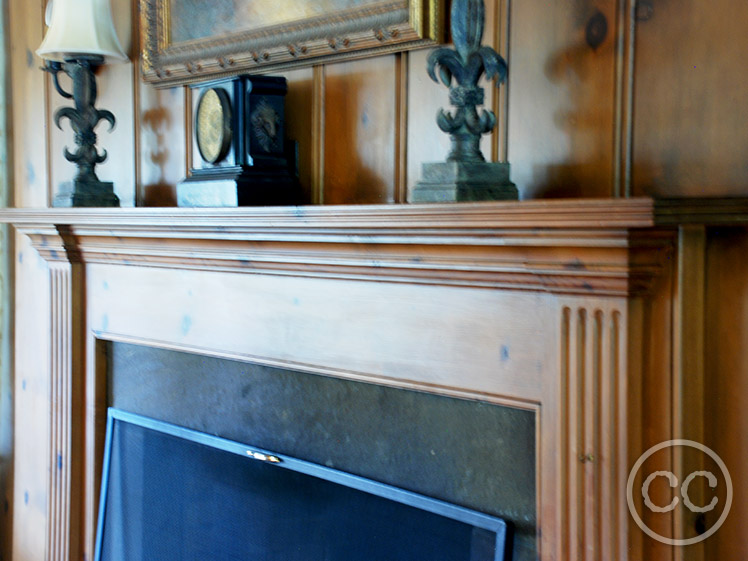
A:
(65, 375)
(594, 247)
(449, 219)
(591, 461)
(60, 511)
(712, 212)
(318, 134)
(500, 105)
(689, 339)
(402, 70)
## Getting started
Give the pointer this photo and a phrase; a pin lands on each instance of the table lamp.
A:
(80, 38)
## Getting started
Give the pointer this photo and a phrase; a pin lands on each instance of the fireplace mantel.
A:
(587, 247)
(565, 308)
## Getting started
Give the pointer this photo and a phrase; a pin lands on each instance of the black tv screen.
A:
(174, 494)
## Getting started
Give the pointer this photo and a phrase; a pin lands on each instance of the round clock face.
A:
(213, 125)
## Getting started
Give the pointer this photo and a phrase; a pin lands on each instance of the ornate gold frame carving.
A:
(386, 26)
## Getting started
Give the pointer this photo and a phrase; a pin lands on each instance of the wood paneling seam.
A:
(401, 124)
(58, 516)
(318, 135)
(500, 98)
(47, 120)
(629, 99)
(623, 98)
(188, 126)
(563, 547)
(596, 374)
(137, 126)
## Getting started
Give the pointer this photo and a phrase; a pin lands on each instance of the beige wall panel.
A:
(691, 100)
(331, 323)
(726, 377)
(299, 119)
(116, 84)
(657, 404)
(61, 172)
(561, 100)
(426, 143)
(31, 411)
(162, 144)
(119, 166)
(360, 128)
(27, 88)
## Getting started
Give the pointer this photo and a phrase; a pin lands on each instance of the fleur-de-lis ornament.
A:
(83, 117)
(464, 65)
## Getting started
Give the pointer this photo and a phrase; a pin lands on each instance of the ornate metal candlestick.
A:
(465, 176)
(87, 189)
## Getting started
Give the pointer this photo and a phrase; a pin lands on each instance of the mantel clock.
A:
(240, 156)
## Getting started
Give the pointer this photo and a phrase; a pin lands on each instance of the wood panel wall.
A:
(658, 107)
(29, 172)
(726, 377)
(691, 99)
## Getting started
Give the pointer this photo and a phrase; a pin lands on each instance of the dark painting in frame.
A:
(186, 41)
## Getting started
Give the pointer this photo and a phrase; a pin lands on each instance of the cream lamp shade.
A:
(79, 28)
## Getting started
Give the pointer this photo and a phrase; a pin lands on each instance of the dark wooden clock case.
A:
(260, 166)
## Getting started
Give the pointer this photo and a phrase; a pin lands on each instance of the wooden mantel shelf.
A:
(640, 212)
(593, 246)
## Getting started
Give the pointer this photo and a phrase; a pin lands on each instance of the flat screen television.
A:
(173, 494)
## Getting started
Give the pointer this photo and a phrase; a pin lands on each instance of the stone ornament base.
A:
(449, 182)
(243, 188)
(86, 194)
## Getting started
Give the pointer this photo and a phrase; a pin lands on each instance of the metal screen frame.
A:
(428, 504)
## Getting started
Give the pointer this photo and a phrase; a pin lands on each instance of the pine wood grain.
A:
(163, 144)
(299, 122)
(112, 80)
(31, 404)
(425, 142)
(360, 128)
(27, 121)
(29, 94)
(561, 100)
(468, 300)
(726, 377)
(691, 100)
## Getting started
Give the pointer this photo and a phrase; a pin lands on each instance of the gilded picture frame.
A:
(185, 41)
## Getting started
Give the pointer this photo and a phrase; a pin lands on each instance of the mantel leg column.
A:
(591, 431)
(65, 420)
